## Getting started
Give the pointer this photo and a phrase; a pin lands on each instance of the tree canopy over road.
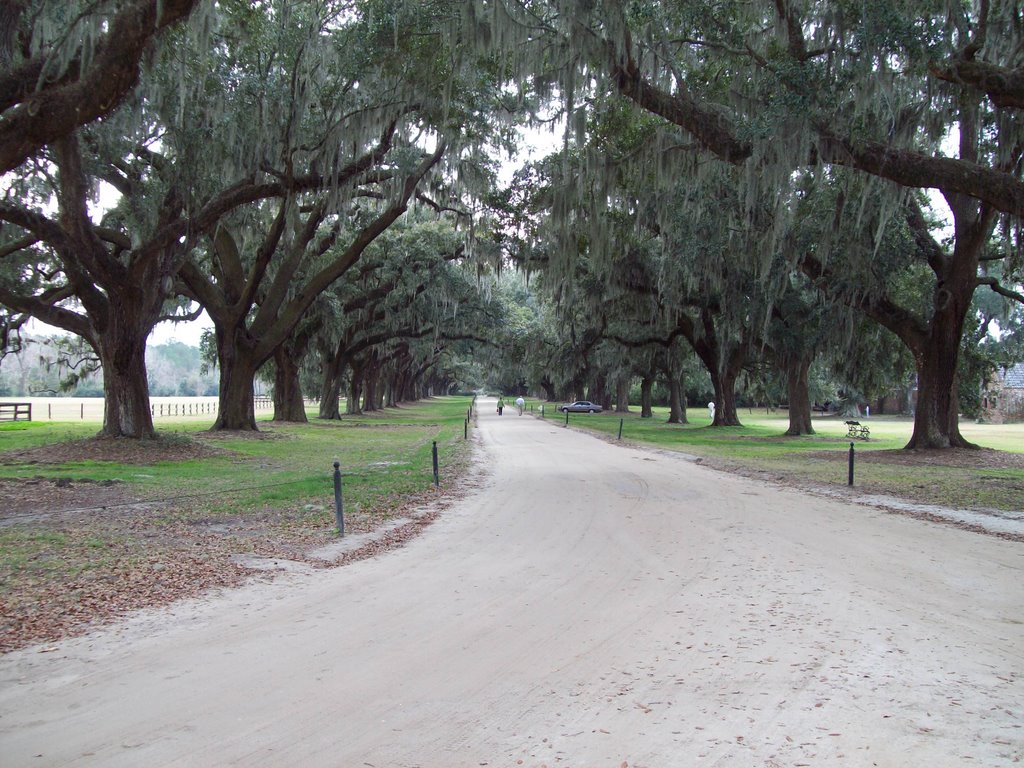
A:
(781, 201)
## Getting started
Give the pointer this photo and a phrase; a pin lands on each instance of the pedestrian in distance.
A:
(520, 404)
(501, 405)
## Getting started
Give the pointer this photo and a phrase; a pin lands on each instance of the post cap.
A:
(337, 465)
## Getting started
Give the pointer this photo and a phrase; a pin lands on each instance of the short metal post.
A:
(465, 430)
(620, 428)
(850, 479)
(437, 479)
(339, 507)
(567, 418)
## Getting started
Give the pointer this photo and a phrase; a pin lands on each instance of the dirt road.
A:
(591, 605)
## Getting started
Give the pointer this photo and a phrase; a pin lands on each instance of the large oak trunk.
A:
(723, 363)
(331, 380)
(330, 398)
(676, 401)
(597, 392)
(122, 353)
(937, 352)
(622, 395)
(725, 399)
(550, 393)
(797, 373)
(355, 392)
(288, 402)
(391, 391)
(398, 385)
(646, 403)
(238, 366)
(371, 382)
(937, 418)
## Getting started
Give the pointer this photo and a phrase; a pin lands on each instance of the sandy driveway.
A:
(592, 605)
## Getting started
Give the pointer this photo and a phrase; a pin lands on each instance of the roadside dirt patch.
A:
(244, 434)
(982, 458)
(120, 451)
(36, 497)
(78, 554)
(91, 595)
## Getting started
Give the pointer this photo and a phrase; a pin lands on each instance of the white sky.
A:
(186, 333)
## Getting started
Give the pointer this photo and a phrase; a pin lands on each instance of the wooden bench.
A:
(15, 411)
(857, 430)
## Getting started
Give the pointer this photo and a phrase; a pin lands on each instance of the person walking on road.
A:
(501, 405)
(520, 404)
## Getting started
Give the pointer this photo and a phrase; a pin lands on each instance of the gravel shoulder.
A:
(587, 605)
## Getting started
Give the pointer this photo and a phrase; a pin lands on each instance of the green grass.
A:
(21, 550)
(275, 486)
(821, 459)
(19, 435)
(382, 454)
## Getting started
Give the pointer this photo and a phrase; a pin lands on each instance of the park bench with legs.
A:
(857, 430)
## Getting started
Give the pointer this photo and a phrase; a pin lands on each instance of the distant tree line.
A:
(52, 366)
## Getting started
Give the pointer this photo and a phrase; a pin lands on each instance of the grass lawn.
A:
(92, 527)
(987, 479)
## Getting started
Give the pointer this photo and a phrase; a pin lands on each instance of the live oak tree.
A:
(402, 290)
(256, 303)
(530, 347)
(367, 109)
(268, 113)
(105, 276)
(102, 275)
(670, 259)
(64, 64)
(775, 87)
(893, 269)
(426, 347)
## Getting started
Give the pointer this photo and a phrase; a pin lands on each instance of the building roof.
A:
(1013, 377)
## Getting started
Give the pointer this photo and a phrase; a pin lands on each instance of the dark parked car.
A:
(580, 406)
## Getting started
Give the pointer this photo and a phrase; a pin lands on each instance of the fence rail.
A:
(15, 411)
(91, 408)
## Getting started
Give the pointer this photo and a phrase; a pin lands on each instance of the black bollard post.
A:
(339, 507)
(437, 479)
(620, 428)
(465, 430)
(567, 418)
(850, 479)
